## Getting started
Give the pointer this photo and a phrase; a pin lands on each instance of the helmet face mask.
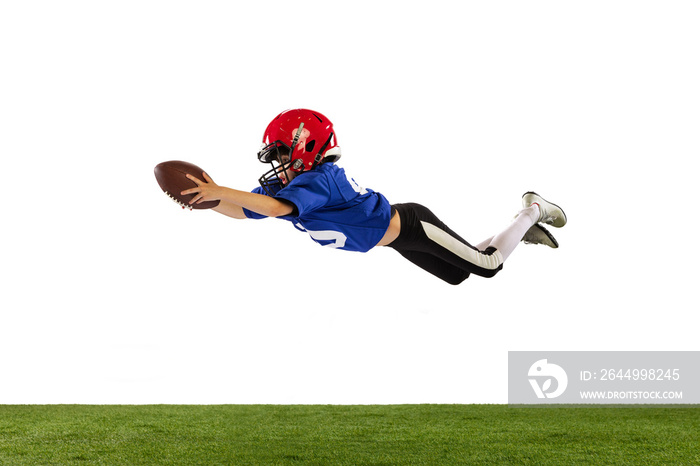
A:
(277, 155)
(294, 142)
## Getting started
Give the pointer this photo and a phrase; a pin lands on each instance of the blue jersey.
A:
(334, 210)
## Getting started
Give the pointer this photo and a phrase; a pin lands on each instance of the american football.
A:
(172, 179)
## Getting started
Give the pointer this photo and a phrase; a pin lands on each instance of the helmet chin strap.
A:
(317, 160)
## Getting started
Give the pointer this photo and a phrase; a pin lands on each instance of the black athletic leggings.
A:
(432, 246)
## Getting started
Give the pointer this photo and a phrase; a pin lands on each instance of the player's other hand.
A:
(206, 190)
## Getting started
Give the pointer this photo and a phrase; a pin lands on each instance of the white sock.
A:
(534, 212)
(507, 240)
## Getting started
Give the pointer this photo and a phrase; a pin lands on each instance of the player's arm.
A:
(230, 210)
(233, 201)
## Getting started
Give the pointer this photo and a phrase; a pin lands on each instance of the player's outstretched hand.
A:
(206, 190)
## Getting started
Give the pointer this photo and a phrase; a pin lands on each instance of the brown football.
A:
(172, 179)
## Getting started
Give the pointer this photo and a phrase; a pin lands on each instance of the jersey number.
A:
(356, 187)
(328, 238)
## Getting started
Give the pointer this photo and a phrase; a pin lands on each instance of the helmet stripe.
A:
(296, 138)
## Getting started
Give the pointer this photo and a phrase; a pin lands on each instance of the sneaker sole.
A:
(552, 242)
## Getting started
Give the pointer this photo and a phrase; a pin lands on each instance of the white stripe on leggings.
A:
(489, 262)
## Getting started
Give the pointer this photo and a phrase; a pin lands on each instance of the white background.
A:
(110, 293)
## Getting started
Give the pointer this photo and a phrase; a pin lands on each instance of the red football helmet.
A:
(296, 140)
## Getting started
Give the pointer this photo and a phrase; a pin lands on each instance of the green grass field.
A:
(351, 435)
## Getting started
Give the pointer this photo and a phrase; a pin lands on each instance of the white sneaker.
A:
(551, 214)
(537, 234)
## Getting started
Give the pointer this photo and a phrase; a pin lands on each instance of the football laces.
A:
(178, 202)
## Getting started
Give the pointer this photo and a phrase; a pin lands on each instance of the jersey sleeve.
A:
(308, 192)
(256, 216)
